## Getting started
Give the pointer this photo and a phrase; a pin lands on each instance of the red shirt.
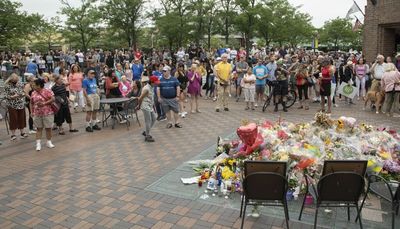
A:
(138, 55)
(326, 75)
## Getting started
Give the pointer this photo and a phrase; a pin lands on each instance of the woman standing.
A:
(75, 86)
(391, 85)
(194, 77)
(210, 80)
(128, 71)
(28, 93)
(325, 85)
(180, 74)
(64, 114)
(361, 69)
(249, 88)
(42, 112)
(15, 100)
(302, 85)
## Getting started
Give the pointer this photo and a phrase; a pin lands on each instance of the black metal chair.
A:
(332, 166)
(339, 189)
(385, 190)
(130, 109)
(264, 184)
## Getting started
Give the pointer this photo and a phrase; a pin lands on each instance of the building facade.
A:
(381, 28)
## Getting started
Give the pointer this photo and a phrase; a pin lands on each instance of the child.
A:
(249, 88)
(124, 86)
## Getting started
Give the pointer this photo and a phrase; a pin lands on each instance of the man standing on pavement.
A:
(377, 71)
(223, 72)
(261, 73)
(167, 94)
(137, 70)
(241, 69)
(92, 97)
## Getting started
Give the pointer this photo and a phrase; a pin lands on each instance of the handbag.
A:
(55, 107)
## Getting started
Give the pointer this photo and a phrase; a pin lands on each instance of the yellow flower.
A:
(231, 161)
(227, 173)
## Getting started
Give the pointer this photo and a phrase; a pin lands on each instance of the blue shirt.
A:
(260, 71)
(90, 85)
(158, 74)
(137, 70)
(168, 87)
(32, 68)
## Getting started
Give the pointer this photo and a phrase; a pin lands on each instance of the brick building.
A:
(381, 28)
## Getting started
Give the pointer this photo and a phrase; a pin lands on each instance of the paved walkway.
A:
(99, 180)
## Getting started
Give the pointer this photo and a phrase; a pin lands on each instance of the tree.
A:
(48, 30)
(125, 15)
(227, 15)
(264, 24)
(210, 12)
(245, 21)
(337, 32)
(16, 25)
(83, 22)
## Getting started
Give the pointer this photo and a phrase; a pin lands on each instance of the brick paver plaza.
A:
(102, 179)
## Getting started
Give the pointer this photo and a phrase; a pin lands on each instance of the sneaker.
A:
(24, 135)
(178, 125)
(237, 99)
(149, 139)
(230, 95)
(89, 129)
(185, 113)
(49, 144)
(32, 131)
(98, 121)
(183, 116)
(335, 105)
(214, 99)
(38, 146)
(162, 119)
(226, 109)
(96, 127)
(144, 133)
(169, 125)
(13, 137)
(217, 110)
(255, 213)
(256, 105)
(122, 121)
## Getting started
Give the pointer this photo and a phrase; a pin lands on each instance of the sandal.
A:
(13, 137)
(61, 133)
(178, 125)
(169, 125)
(24, 135)
(300, 107)
(73, 130)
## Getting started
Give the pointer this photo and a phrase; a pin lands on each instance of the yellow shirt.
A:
(223, 70)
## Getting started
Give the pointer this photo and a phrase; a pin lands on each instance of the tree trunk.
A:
(226, 30)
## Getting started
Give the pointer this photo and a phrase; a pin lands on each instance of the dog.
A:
(376, 96)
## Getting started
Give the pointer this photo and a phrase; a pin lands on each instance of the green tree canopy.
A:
(337, 32)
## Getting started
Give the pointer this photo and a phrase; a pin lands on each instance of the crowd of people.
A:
(49, 86)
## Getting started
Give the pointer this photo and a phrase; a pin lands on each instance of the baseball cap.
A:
(166, 68)
(91, 71)
(154, 80)
(218, 59)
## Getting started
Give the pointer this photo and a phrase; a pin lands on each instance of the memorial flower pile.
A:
(305, 147)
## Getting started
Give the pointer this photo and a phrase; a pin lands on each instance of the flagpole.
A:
(358, 19)
(359, 8)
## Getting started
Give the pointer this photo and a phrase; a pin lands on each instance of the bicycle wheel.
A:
(291, 98)
(266, 104)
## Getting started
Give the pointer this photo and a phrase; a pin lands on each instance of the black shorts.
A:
(63, 115)
(325, 89)
(281, 88)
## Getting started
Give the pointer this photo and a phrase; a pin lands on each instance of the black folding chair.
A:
(332, 166)
(339, 189)
(264, 184)
(385, 190)
(130, 109)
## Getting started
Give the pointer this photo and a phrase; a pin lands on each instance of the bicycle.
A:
(290, 98)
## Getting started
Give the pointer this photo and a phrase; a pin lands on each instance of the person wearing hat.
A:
(146, 104)
(92, 97)
(167, 93)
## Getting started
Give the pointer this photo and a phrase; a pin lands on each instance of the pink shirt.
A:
(125, 88)
(42, 96)
(389, 81)
(75, 81)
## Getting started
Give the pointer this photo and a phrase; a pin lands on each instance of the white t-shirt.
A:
(249, 85)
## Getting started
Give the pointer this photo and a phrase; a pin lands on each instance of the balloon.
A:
(248, 133)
